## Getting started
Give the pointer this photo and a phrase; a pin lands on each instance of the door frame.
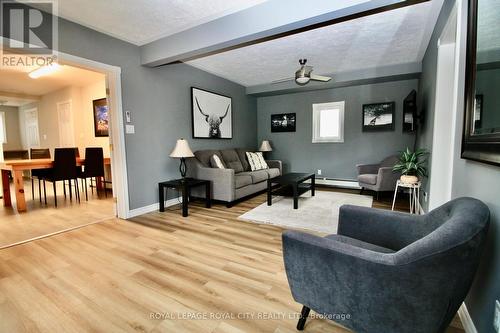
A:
(117, 130)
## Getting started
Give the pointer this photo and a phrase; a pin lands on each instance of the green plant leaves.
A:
(412, 163)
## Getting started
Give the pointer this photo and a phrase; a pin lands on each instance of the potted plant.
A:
(412, 165)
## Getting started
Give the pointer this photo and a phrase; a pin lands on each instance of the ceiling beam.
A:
(353, 78)
(266, 21)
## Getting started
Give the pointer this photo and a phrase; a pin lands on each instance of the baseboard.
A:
(152, 208)
(466, 319)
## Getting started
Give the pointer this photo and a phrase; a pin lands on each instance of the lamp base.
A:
(183, 168)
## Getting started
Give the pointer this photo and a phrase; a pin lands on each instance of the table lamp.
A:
(182, 151)
(265, 147)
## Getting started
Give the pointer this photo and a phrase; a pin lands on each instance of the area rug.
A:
(319, 213)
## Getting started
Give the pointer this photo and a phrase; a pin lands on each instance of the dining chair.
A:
(38, 174)
(93, 168)
(64, 169)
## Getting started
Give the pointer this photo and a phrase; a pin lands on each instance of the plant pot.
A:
(409, 179)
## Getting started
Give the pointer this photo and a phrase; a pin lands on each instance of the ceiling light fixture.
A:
(45, 70)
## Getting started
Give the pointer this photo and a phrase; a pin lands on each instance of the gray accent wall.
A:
(470, 179)
(160, 102)
(336, 160)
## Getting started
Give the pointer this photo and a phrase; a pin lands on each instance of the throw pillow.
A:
(216, 162)
(256, 161)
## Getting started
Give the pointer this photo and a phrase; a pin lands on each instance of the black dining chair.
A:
(38, 174)
(93, 168)
(64, 169)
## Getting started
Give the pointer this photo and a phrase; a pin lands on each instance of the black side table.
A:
(184, 185)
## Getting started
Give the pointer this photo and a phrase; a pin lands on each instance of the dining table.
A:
(17, 167)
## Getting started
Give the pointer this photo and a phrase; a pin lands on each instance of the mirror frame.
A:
(479, 147)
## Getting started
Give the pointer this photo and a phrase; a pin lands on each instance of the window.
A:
(3, 133)
(328, 122)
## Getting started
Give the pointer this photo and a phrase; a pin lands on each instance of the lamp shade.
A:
(181, 150)
(265, 146)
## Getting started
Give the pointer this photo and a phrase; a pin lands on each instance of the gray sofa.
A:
(390, 272)
(235, 182)
(378, 177)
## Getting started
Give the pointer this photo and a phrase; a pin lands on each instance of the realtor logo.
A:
(29, 29)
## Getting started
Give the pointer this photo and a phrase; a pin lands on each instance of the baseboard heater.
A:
(340, 183)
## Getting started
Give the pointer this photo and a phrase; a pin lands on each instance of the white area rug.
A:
(318, 213)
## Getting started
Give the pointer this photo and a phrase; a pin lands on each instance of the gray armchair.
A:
(378, 177)
(386, 271)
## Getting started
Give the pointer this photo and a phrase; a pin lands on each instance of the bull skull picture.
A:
(211, 115)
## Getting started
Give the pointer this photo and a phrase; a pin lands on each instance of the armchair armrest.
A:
(387, 178)
(367, 168)
(275, 164)
(315, 266)
(393, 230)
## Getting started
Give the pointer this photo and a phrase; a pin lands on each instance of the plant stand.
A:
(414, 195)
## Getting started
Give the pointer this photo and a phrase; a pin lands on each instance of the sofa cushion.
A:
(242, 154)
(273, 172)
(358, 243)
(231, 160)
(203, 156)
(242, 180)
(368, 179)
(258, 176)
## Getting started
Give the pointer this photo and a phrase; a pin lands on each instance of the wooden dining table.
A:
(16, 167)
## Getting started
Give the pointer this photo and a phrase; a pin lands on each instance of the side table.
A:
(185, 186)
(414, 195)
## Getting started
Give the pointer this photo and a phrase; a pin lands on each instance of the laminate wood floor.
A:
(41, 219)
(158, 272)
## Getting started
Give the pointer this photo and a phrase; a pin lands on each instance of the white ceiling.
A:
(17, 88)
(390, 38)
(141, 22)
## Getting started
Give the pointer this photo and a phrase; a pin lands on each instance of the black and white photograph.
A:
(211, 114)
(378, 117)
(284, 122)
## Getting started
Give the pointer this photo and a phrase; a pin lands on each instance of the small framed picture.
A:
(378, 117)
(212, 115)
(101, 117)
(285, 122)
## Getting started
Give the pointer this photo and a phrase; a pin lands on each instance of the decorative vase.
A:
(409, 179)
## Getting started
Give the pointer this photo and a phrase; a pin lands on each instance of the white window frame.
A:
(4, 139)
(317, 108)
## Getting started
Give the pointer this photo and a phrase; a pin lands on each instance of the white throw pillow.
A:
(256, 161)
(216, 162)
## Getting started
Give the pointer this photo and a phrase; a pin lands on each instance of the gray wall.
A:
(159, 99)
(12, 128)
(469, 179)
(336, 160)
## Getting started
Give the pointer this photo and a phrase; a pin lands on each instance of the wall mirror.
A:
(481, 137)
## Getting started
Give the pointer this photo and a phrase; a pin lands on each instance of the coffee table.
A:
(291, 185)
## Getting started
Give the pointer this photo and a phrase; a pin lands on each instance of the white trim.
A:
(152, 208)
(117, 130)
(316, 122)
(466, 319)
(338, 183)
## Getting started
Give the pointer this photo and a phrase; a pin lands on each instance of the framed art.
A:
(101, 117)
(378, 117)
(284, 122)
(212, 116)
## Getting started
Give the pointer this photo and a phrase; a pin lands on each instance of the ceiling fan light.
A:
(302, 80)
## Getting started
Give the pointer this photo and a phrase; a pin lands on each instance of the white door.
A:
(31, 126)
(66, 130)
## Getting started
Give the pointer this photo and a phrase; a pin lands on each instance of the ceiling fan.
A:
(303, 75)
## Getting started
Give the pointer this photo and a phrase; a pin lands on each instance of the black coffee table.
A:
(185, 186)
(290, 185)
